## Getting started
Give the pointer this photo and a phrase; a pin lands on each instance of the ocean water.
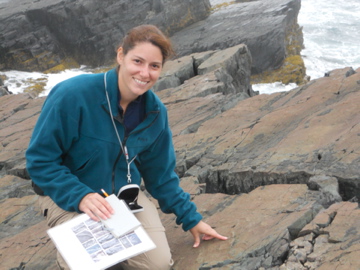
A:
(331, 35)
(331, 39)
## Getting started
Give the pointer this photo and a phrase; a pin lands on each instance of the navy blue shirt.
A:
(134, 114)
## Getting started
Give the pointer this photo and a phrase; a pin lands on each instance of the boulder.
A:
(268, 28)
(226, 71)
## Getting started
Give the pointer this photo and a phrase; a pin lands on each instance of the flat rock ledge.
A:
(278, 174)
(273, 227)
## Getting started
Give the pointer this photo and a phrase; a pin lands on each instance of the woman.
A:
(104, 131)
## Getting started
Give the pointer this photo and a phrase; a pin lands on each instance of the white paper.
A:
(123, 220)
(87, 244)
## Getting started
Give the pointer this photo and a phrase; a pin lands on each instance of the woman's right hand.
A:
(96, 207)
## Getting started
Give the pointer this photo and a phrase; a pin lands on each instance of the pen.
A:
(104, 192)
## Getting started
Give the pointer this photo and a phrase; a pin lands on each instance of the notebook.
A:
(91, 245)
(123, 220)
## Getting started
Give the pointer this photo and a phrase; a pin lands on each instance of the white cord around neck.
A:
(123, 148)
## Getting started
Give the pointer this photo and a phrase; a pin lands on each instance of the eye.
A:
(156, 66)
(137, 61)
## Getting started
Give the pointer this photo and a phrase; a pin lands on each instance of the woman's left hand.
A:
(208, 233)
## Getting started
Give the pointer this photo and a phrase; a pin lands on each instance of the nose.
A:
(144, 71)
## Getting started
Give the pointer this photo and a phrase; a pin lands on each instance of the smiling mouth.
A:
(140, 82)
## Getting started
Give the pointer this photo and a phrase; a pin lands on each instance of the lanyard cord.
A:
(123, 148)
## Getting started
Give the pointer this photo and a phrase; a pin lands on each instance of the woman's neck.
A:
(124, 104)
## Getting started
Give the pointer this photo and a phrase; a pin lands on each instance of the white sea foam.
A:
(331, 35)
(269, 88)
(331, 40)
(18, 81)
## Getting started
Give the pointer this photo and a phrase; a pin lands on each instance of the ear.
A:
(120, 55)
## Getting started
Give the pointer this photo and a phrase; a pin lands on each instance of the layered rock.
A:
(280, 138)
(48, 34)
(265, 232)
(268, 28)
(272, 172)
(224, 71)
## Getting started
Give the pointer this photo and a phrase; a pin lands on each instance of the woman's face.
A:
(139, 70)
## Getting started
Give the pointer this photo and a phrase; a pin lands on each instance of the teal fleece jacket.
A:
(74, 149)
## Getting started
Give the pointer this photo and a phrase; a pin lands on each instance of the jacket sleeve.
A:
(57, 127)
(157, 166)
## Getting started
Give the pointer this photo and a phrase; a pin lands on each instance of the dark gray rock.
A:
(234, 68)
(262, 25)
(4, 91)
(231, 67)
(175, 73)
(39, 35)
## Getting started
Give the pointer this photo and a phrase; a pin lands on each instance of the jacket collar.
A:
(111, 86)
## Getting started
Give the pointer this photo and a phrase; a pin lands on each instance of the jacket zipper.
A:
(124, 144)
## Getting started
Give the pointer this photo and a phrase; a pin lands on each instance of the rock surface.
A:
(280, 138)
(224, 71)
(44, 34)
(276, 173)
(268, 28)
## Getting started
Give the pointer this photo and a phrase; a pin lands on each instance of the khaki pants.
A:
(156, 259)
